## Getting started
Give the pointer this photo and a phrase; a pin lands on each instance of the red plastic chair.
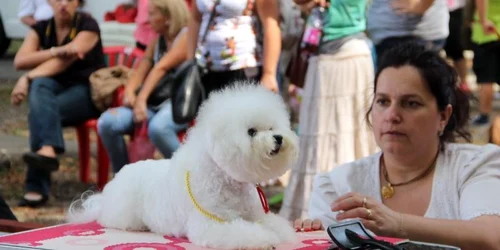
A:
(182, 134)
(116, 55)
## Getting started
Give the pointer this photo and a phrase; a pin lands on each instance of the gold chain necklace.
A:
(388, 190)
(214, 217)
(197, 206)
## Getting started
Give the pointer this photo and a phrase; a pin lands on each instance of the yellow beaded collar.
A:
(197, 206)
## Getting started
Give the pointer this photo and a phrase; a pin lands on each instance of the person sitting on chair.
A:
(168, 18)
(59, 54)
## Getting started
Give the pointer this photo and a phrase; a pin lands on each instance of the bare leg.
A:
(47, 151)
(485, 104)
(486, 98)
(461, 67)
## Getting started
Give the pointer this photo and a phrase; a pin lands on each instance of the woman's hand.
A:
(489, 28)
(307, 225)
(140, 110)
(67, 51)
(130, 97)
(374, 215)
(269, 82)
(307, 5)
(20, 91)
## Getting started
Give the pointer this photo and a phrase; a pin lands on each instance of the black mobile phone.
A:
(337, 233)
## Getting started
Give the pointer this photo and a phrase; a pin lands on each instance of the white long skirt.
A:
(332, 125)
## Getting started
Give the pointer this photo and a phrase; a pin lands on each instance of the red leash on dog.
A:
(263, 199)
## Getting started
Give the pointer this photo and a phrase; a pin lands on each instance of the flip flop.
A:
(41, 162)
(33, 203)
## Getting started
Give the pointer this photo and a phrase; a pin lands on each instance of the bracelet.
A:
(149, 59)
(52, 51)
(28, 77)
(402, 232)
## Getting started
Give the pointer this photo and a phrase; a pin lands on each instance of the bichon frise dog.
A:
(207, 192)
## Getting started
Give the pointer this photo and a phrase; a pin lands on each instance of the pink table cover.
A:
(92, 236)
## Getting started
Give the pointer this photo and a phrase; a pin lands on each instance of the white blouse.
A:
(231, 42)
(466, 184)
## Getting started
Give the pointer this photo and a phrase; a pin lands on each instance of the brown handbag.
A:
(104, 82)
(297, 68)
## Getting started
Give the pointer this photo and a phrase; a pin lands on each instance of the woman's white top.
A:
(232, 39)
(466, 184)
(39, 9)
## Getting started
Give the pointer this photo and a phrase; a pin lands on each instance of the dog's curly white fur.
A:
(242, 136)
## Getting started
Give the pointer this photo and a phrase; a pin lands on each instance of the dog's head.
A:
(246, 131)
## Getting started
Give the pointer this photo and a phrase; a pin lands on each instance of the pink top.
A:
(143, 32)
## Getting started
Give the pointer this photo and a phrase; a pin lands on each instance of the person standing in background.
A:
(454, 45)
(232, 49)
(486, 39)
(391, 22)
(31, 11)
(337, 88)
(143, 34)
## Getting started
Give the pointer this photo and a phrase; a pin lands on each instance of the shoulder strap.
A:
(160, 49)
(51, 25)
(210, 20)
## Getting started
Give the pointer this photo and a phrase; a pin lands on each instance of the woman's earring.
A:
(440, 133)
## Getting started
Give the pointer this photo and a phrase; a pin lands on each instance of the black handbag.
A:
(188, 90)
(163, 89)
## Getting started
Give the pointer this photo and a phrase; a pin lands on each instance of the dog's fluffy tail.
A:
(86, 209)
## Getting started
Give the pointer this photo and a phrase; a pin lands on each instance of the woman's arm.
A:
(482, 6)
(268, 13)
(28, 20)
(143, 68)
(74, 50)
(175, 56)
(193, 30)
(28, 56)
(82, 44)
(26, 12)
(480, 233)
(482, 12)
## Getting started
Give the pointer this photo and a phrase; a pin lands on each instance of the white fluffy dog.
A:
(206, 192)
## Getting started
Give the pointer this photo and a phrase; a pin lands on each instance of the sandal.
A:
(41, 162)
(33, 203)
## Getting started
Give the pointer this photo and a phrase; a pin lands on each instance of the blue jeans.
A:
(116, 122)
(53, 106)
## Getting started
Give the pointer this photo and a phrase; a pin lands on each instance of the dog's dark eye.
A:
(252, 132)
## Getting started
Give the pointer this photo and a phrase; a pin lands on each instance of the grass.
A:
(14, 47)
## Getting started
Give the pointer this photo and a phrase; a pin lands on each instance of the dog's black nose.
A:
(278, 139)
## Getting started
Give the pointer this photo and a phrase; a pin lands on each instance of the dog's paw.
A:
(238, 234)
(281, 227)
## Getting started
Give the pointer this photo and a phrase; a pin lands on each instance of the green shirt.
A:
(493, 15)
(344, 18)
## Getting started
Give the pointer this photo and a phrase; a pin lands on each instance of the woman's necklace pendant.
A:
(387, 191)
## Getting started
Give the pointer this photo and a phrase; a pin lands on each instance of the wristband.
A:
(28, 77)
(52, 51)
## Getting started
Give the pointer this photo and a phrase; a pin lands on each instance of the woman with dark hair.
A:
(422, 185)
(59, 55)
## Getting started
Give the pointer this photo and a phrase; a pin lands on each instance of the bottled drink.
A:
(313, 29)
